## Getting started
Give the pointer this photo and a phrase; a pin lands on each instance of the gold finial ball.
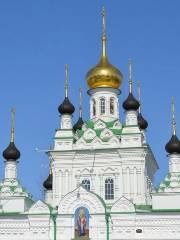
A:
(104, 75)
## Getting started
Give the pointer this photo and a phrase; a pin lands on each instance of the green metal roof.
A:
(90, 125)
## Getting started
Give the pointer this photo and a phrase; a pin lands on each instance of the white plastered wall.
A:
(127, 168)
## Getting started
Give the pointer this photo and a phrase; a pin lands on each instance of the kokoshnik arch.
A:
(100, 185)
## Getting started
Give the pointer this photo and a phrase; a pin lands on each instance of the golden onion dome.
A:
(104, 74)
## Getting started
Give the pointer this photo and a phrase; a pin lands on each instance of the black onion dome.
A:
(173, 146)
(143, 124)
(11, 152)
(130, 103)
(66, 107)
(48, 183)
(78, 124)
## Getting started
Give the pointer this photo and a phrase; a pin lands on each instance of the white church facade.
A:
(100, 185)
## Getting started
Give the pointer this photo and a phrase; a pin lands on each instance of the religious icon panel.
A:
(81, 219)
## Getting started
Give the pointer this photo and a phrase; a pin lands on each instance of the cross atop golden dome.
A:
(104, 74)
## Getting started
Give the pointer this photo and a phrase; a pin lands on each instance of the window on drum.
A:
(94, 107)
(102, 106)
(111, 105)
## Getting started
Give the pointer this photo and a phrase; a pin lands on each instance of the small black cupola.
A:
(48, 182)
(130, 103)
(142, 123)
(80, 122)
(173, 146)
(11, 153)
(66, 107)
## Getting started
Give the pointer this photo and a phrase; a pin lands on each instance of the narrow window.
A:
(94, 107)
(102, 106)
(109, 189)
(111, 105)
(86, 184)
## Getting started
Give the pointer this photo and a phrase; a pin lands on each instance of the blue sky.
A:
(37, 38)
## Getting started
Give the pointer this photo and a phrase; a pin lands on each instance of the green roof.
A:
(13, 188)
(143, 207)
(80, 132)
(90, 125)
(110, 124)
(98, 132)
(166, 183)
(116, 131)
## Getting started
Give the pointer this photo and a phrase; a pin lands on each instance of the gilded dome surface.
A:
(104, 75)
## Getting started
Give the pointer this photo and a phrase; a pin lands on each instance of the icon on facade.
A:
(81, 224)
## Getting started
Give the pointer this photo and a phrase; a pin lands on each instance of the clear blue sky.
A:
(37, 38)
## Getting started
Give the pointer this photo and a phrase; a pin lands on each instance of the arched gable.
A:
(99, 124)
(39, 207)
(85, 171)
(108, 170)
(89, 134)
(123, 205)
(106, 133)
(114, 141)
(117, 124)
(80, 197)
(97, 141)
(81, 142)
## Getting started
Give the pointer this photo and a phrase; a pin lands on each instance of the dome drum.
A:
(104, 89)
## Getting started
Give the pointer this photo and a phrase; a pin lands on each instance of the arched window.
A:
(109, 189)
(102, 106)
(94, 107)
(86, 184)
(111, 105)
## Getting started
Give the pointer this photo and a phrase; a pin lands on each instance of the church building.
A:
(100, 184)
